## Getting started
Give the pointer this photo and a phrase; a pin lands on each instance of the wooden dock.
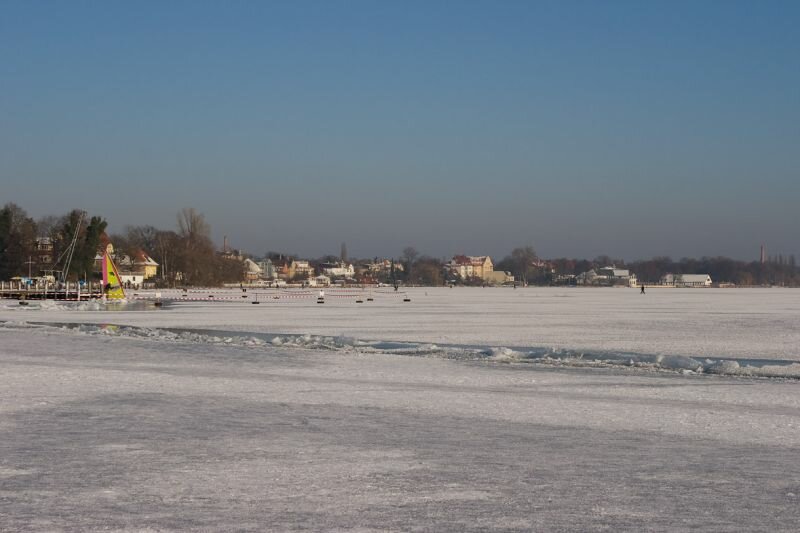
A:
(14, 290)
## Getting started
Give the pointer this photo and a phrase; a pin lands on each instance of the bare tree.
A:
(522, 259)
(142, 237)
(47, 226)
(192, 225)
(166, 243)
(122, 246)
(410, 254)
(194, 256)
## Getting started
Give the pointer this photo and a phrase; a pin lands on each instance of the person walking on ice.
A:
(642, 291)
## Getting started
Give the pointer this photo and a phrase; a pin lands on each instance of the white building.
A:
(319, 281)
(131, 280)
(618, 276)
(339, 270)
(608, 276)
(686, 280)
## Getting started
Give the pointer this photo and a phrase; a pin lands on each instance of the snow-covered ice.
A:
(462, 410)
(731, 331)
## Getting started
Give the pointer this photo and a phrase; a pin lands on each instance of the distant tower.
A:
(763, 254)
(225, 244)
(343, 254)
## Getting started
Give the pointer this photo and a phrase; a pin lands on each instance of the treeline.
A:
(526, 267)
(775, 271)
(779, 270)
(186, 256)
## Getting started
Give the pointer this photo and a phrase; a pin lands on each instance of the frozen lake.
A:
(731, 324)
(392, 415)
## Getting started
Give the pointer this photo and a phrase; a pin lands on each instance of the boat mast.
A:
(71, 249)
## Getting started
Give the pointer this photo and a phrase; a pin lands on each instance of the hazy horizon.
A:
(626, 129)
(335, 248)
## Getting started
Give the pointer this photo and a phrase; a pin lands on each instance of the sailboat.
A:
(112, 287)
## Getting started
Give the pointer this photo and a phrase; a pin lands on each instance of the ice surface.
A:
(461, 410)
(105, 430)
(742, 324)
(530, 355)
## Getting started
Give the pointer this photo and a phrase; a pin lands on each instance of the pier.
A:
(70, 291)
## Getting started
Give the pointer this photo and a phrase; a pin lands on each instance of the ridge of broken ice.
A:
(497, 354)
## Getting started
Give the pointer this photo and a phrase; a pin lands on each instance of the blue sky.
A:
(623, 128)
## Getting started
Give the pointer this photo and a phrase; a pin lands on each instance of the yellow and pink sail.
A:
(112, 286)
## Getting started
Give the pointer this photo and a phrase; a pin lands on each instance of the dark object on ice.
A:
(642, 290)
(158, 304)
(406, 299)
(23, 302)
